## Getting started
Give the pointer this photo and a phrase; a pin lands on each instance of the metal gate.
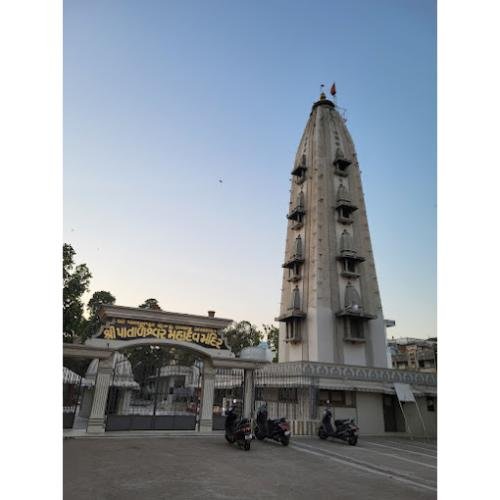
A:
(73, 385)
(228, 387)
(154, 388)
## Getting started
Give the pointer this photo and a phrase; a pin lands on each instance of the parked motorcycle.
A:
(277, 429)
(237, 430)
(344, 429)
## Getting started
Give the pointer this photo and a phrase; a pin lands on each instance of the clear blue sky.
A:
(162, 99)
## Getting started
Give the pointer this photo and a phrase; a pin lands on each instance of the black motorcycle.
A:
(237, 430)
(344, 429)
(277, 429)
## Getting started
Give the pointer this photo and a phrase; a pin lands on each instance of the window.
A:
(349, 266)
(293, 330)
(287, 395)
(340, 399)
(345, 213)
(357, 330)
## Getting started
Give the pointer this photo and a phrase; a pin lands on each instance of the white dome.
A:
(122, 376)
(260, 352)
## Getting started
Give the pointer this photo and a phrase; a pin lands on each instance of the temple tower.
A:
(330, 303)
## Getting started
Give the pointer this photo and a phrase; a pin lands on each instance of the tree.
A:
(240, 335)
(151, 304)
(76, 281)
(93, 305)
(273, 339)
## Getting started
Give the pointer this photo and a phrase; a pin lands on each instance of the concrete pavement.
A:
(194, 467)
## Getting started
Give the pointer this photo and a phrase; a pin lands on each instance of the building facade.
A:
(413, 354)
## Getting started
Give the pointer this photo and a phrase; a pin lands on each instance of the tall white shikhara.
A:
(330, 303)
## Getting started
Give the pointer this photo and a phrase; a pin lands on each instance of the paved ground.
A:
(206, 467)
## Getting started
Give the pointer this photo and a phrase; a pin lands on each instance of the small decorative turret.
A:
(343, 195)
(352, 300)
(295, 299)
(300, 200)
(346, 245)
(298, 247)
(298, 211)
(300, 169)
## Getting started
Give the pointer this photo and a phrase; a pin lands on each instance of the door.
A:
(390, 423)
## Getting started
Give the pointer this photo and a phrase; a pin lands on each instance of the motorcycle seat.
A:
(341, 421)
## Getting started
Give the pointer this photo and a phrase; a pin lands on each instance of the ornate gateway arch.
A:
(159, 370)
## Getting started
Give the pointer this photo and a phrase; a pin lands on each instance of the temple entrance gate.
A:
(154, 387)
(159, 370)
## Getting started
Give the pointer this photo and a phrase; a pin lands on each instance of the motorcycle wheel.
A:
(228, 439)
(352, 440)
(285, 440)
(259, 435)
(322, 434)
(247, 445)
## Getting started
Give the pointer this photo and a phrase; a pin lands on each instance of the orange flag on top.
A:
(333, 90)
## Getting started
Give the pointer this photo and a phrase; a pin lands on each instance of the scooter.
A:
(237, 430)
(344, 429)
(277, 429)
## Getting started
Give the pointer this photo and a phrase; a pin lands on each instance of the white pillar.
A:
(248, 394)
(87, 397)
(101, 389)
(207, 397)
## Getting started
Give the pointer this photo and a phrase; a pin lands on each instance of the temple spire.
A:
(330, 304)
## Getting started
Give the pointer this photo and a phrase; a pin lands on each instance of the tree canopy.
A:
(242, 334)
(76, 279)
(151, 304)
(272, 334)
(93, 305)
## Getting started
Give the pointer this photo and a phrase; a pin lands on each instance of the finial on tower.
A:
(322, 96)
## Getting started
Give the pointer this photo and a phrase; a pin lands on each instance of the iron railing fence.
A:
(74, 382)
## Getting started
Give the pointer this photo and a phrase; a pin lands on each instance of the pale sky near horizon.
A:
(163, 99)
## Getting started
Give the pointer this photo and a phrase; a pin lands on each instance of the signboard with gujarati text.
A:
(129, 329)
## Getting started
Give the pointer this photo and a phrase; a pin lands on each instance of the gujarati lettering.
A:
(122, 329)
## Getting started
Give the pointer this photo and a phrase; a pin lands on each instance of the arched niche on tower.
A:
(346, 243)
(344, 205)
(295, 299)
(341, 163)
(299, 171)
